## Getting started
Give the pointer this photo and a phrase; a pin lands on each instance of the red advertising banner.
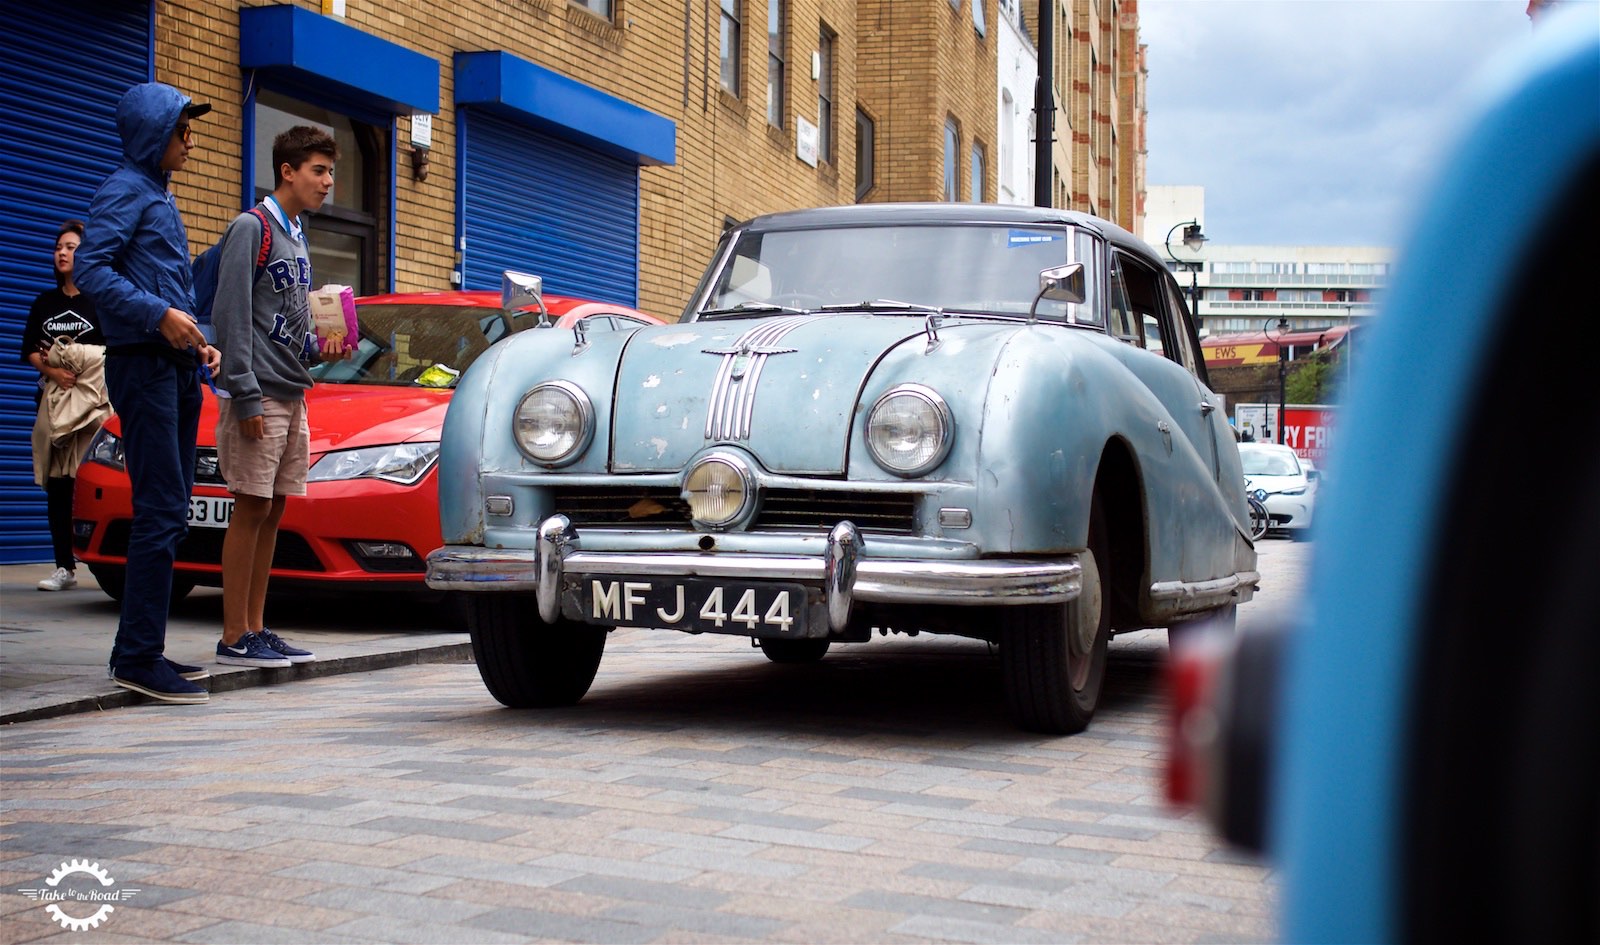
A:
(1309, 431)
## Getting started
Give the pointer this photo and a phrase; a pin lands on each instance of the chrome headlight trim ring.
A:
(944, 426)
(742, 473)
(581, 412)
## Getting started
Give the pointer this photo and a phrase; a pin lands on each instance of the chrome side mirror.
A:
(520, 290)
(1059, 284)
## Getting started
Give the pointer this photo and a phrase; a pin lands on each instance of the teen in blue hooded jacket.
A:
(134, 264)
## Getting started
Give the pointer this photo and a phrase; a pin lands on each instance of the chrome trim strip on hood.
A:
(733, 396)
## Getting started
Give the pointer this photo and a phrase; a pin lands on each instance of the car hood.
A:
(785, 388)
(349, 416)
(1276, 483)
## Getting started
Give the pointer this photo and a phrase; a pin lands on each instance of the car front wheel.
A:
(794, 651)
(113, 579)
(526, 663)
(1053, 657)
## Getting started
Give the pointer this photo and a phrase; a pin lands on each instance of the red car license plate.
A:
(758, 610)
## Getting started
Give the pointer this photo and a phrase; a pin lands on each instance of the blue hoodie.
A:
(134, 259)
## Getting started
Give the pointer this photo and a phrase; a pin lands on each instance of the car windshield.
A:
(415, 345)
(963, 268)
(1264, 463)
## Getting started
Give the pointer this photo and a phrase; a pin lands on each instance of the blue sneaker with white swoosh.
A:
(251, 650)
(277, 644)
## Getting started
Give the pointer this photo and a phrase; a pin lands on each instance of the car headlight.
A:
(404, 463)
(106, 449)
(1299, 491)
(718, 488)
(909, 430)
(554, 423)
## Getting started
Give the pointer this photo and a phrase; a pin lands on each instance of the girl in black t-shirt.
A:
(62, 312)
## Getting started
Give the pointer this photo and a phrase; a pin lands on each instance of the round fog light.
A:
(717, 490)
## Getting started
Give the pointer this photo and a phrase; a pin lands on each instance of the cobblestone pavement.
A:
(698, 794)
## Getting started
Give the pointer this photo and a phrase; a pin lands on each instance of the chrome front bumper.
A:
(843, 572)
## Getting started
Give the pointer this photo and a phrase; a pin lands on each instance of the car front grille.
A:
(204, 546)
(805, 510)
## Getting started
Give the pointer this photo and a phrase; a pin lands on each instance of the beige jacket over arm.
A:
(69, 418)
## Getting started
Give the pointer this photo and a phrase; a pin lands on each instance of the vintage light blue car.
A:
(979, 420)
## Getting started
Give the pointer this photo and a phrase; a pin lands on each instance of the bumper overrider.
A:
(843, 573)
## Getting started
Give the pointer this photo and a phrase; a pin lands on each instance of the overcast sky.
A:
(1311, 122)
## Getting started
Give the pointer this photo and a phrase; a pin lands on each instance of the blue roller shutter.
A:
(537, 203)
(66, 64)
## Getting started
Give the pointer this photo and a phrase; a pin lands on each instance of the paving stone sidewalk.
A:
(53, 646)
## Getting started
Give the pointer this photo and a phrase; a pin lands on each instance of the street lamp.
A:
(1194, 239)
(1283, 368)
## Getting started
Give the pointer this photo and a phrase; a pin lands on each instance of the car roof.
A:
(886, 214)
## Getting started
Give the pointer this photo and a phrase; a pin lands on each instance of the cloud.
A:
(1311, 122)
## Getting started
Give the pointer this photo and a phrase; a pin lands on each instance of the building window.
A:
(977, 18)
(730, 45)
(864, 158)
(952, 158)
(977, 172)
(825, 133)
(776, 74)
(342, 237)
(598, 7)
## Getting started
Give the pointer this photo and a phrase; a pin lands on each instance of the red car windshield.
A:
(415, 345)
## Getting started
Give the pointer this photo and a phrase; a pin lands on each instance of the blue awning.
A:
(523, 92)
(324, 53)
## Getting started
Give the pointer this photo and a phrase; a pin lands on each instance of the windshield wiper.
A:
(880, 305)
(754, 308)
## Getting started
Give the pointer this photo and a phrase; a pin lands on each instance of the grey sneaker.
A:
(59, 580)
(251, 650)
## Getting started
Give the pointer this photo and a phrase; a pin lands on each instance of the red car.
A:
(370, 514)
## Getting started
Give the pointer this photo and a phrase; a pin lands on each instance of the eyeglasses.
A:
(184, 132)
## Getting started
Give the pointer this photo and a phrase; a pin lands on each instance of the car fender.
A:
(477, 441)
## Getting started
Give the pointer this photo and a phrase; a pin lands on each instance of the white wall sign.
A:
(422, 130)
(805, 141)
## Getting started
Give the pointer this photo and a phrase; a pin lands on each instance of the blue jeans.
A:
(158, 401)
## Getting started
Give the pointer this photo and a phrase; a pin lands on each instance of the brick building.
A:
(604, 144)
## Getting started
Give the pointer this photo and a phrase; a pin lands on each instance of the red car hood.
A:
(349, 416)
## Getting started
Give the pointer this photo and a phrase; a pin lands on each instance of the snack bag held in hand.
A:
(333, 313)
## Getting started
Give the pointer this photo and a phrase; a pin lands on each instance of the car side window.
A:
(1182, 342)
(1123, 325)
(1140, 287)
(1153, 341)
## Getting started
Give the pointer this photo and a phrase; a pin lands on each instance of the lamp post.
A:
(1283, 368)
(1194, 240)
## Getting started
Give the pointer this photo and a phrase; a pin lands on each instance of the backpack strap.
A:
(266, 240)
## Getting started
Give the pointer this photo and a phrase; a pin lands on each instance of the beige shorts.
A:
(273, 465)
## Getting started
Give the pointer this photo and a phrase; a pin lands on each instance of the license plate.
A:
(702, 606)
(209, 511)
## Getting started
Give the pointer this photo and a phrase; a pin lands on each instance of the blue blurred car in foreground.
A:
(1422, 759)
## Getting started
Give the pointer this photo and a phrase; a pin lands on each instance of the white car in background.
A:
(1289, 493)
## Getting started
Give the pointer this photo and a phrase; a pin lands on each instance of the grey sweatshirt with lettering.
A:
(262, 324)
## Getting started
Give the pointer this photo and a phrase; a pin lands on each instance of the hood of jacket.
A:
(146, 116)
